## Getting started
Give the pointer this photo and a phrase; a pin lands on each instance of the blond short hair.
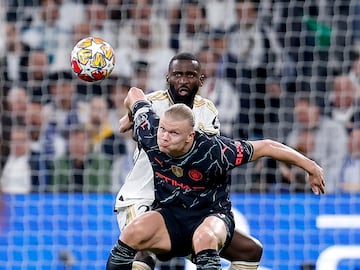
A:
(180, 112)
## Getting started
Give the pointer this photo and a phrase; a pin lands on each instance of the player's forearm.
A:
(291, 156)
(288, 155)
(281, 152)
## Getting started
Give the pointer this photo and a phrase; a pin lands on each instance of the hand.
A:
(125, 123)
(135, 94)
(316, 180)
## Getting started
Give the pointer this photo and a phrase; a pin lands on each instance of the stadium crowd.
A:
(287, 70)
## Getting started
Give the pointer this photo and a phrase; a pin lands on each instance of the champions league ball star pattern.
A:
(92, 59)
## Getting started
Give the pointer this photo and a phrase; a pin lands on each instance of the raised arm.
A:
(281, 152)
(134, 95)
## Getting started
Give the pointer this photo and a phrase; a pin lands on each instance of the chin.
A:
(164, 150)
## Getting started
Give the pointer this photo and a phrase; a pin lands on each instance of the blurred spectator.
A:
(65, 108)
(66, 13)
(62, 112)
(343, 101)
(146, 51)
(40, 177)
(219, 90)
(227, 63)
(320, 36)
(354, 73)
(104, 140)
(256, 44)
(189, 26)
(217, 11)
(36, 73)
(278, 115)
(259, 56)
(46, 33)
(270, 175)
(246, 37)
(328, 138)
(117, 10)
(291, 21)
(148, 10)
(80, 169)
(16, 175)
(20, 11)
(140, 76)
(350, 170)
(100, 24)
(118, 89)
(13, 115)
(79, 31)
(355, 12)
(16, 55)
(341, 17)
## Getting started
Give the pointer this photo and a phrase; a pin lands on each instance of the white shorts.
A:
(127, 214)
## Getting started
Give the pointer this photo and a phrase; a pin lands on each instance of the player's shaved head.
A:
(184, 56)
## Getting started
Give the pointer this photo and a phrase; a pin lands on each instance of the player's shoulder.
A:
(204, 103)
(160, 95)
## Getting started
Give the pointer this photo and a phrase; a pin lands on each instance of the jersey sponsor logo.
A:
(172, 182)
(195, 175)
(239, 153)
(175, 183)
(177, 171)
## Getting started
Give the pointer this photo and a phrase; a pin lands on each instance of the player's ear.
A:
(167, 78)
(191, 136)
(202, 79)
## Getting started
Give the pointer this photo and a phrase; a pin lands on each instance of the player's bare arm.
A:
(135, 94)
(125, 124)
(281, 152)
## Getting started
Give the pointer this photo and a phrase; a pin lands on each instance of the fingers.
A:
(315, 190)
(318, 188)
(322, 187)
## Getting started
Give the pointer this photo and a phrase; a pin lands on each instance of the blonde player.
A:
(137, 194)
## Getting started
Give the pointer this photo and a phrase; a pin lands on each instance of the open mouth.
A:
(184, 91)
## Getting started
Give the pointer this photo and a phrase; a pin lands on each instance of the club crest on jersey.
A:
(195, 175)
(177, 171)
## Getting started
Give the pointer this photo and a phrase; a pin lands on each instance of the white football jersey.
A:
(139, 183)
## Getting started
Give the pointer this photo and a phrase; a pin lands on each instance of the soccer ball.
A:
(92, 59)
